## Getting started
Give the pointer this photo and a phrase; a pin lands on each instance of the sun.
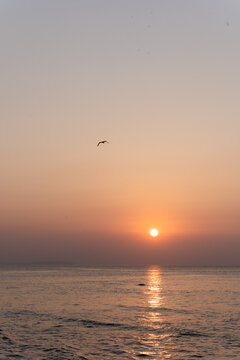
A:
(154, 232)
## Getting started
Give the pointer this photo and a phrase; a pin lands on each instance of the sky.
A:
(158, 79)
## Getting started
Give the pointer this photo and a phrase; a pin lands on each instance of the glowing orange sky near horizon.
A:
(165, 96)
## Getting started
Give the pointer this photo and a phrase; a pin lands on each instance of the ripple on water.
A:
(73, 314)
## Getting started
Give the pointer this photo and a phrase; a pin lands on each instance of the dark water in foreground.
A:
(102, 313)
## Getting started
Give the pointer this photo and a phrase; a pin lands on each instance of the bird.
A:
(102, 142)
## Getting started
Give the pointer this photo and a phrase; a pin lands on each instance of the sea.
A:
(70, 312)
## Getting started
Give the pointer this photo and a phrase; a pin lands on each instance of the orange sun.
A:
(154, 232)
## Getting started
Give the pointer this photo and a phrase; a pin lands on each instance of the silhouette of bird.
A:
(103, 142)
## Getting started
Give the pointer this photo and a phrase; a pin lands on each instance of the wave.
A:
(155, 309)
(94, 323)
(191, 333)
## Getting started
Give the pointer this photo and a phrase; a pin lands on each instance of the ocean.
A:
(63, 312)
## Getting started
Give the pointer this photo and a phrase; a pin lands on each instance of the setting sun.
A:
(154, 232)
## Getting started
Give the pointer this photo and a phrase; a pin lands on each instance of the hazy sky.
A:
(160, 81)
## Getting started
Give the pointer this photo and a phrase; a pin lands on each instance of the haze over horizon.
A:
(160, 81)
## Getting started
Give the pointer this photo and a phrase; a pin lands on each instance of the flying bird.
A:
(102, 142)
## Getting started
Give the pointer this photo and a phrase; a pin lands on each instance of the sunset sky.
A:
(160, 81)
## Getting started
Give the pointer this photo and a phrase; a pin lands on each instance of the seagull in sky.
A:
(103, 142)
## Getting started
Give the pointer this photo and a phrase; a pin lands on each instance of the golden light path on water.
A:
(156, 302)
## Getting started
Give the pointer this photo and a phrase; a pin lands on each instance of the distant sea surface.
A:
(103, 313)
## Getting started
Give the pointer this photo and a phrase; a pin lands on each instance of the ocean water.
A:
(103, 313)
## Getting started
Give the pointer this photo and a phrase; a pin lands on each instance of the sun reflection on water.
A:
(156, 303)
(155, 299)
